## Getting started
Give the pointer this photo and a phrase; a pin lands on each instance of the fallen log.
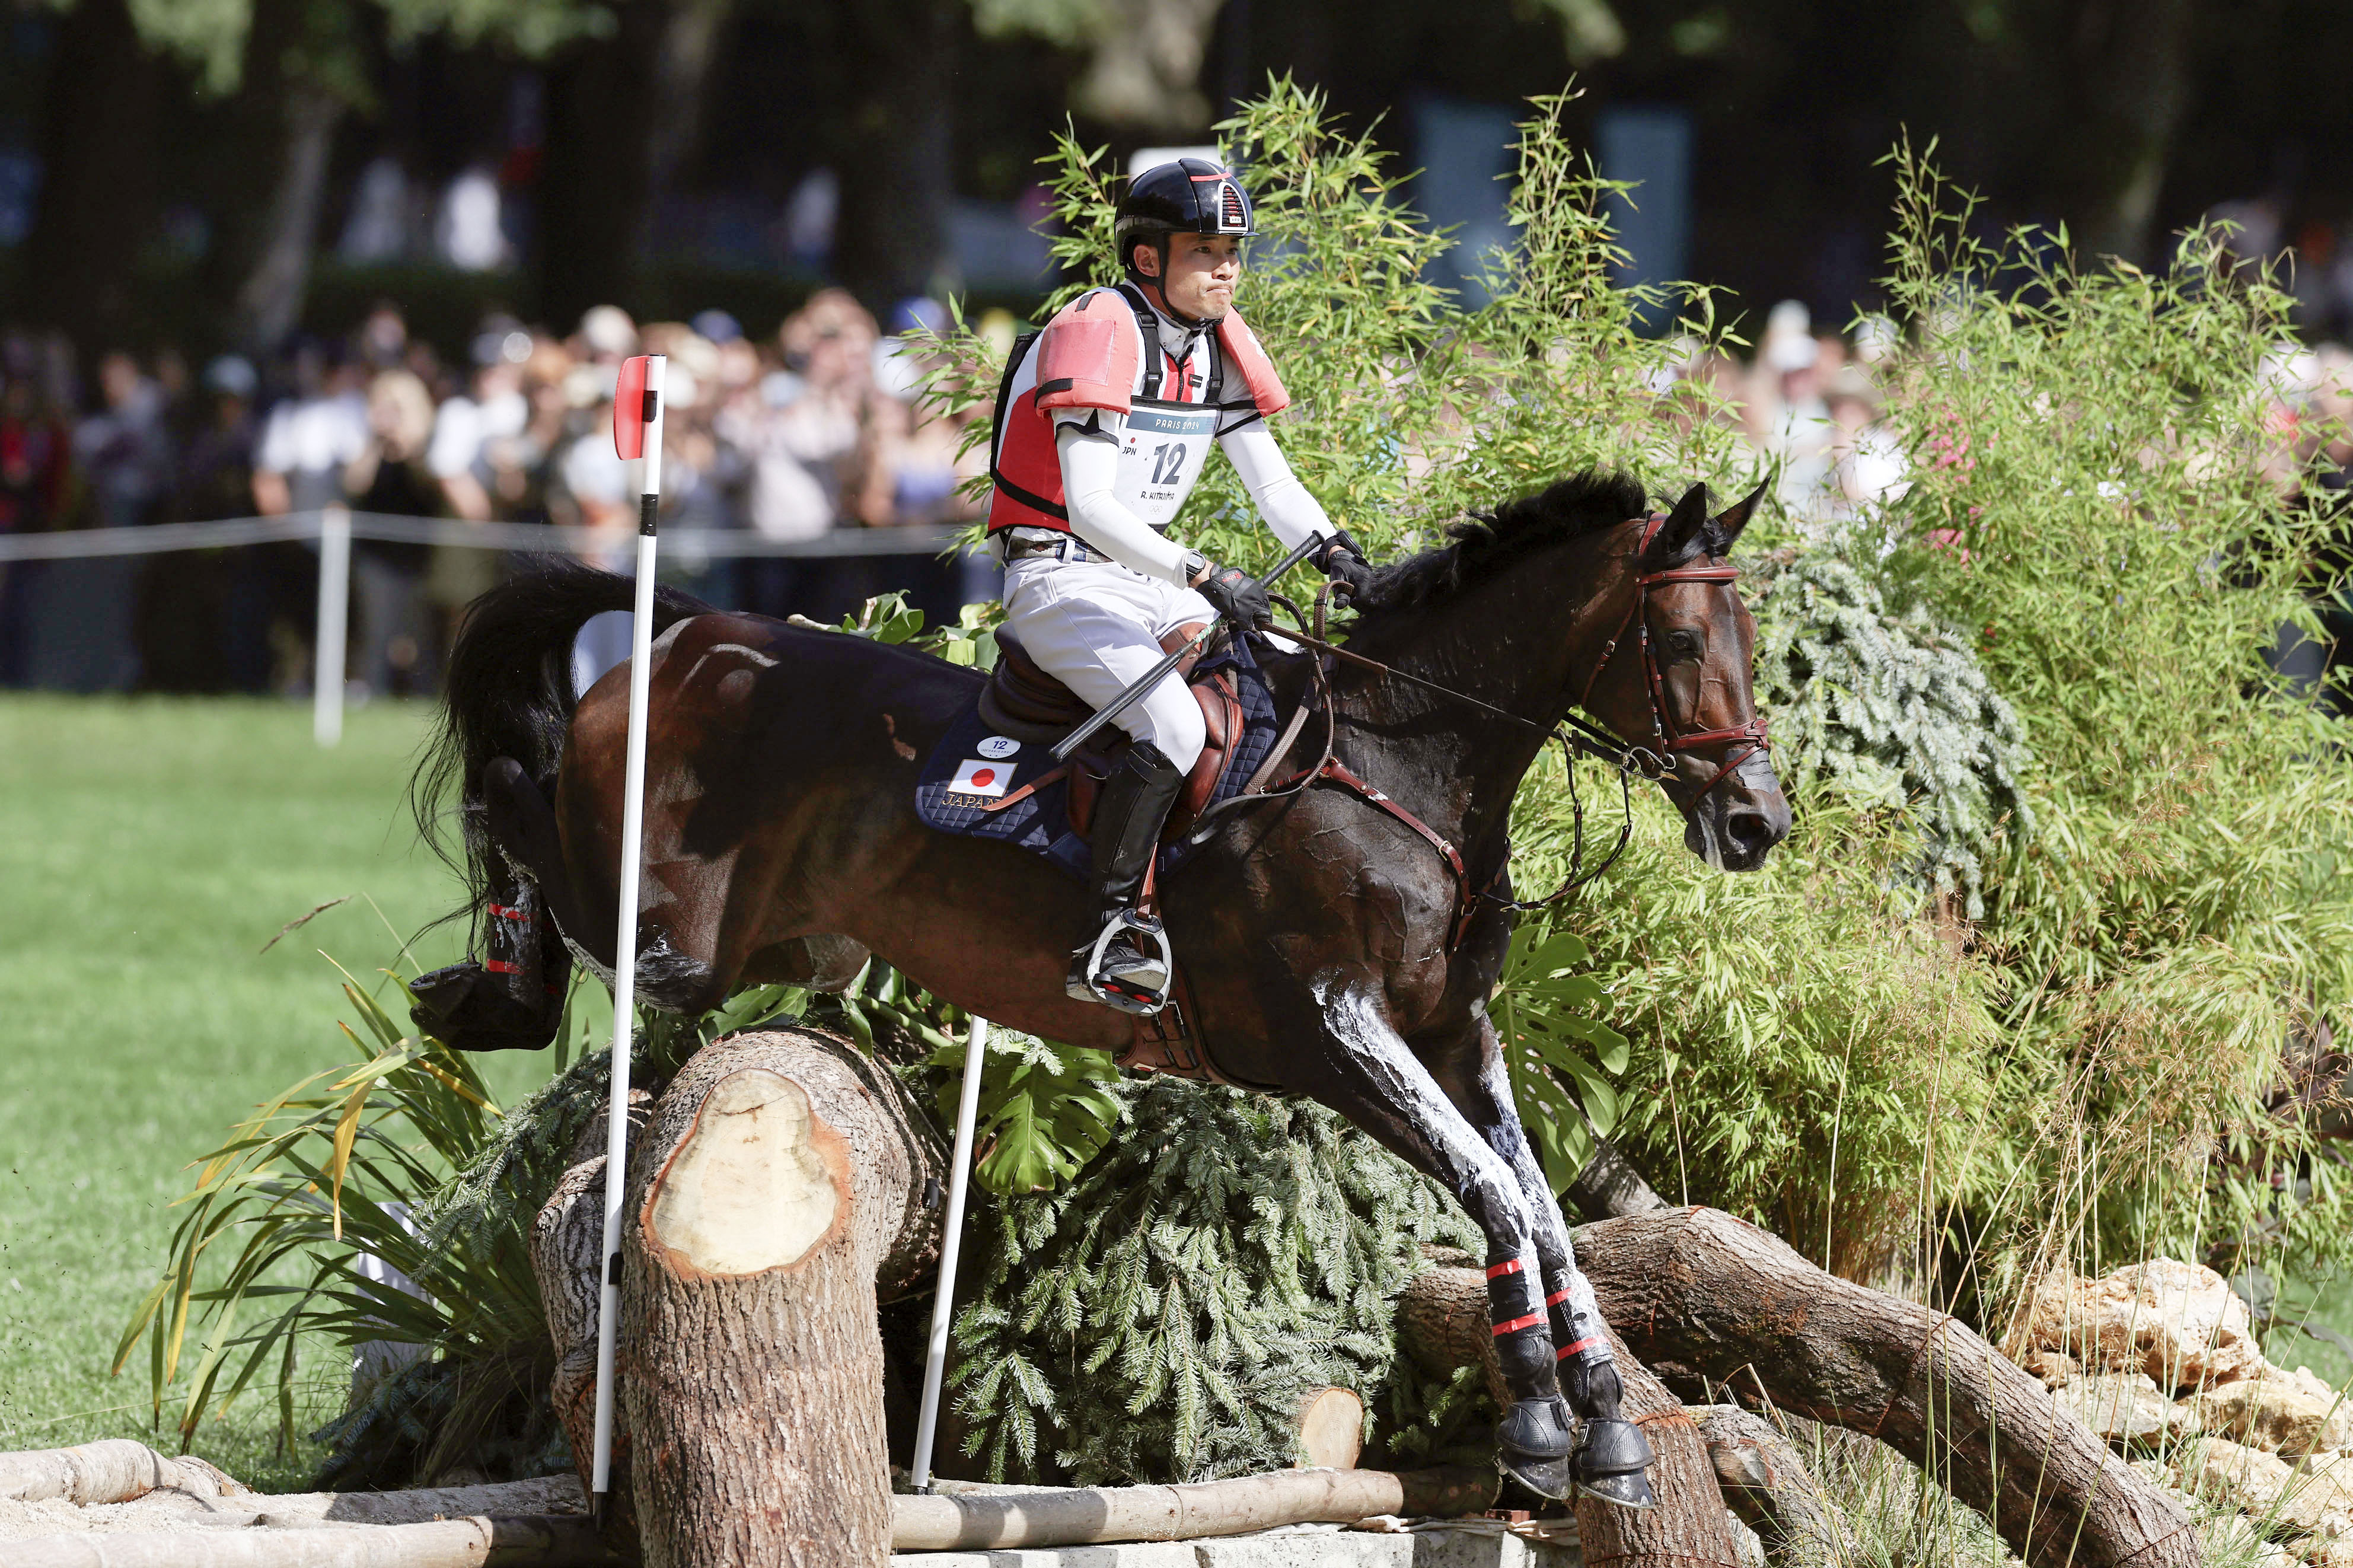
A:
(1085, 1515)
(1442, 1324)
(116, 1470)
(481, 1541)
(780, 1176)
(1711, 1304)
(1769, 1484)
(1609, 1186)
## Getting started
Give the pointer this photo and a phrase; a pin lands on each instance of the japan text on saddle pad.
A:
(986, 785)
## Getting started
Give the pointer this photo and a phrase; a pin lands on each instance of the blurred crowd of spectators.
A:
(816, 429)
(2310, 406)
(820, 428)
(1811, 410)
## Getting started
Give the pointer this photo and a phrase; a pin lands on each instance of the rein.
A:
(1576, 734)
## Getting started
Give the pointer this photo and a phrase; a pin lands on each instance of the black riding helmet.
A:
(1191, 195)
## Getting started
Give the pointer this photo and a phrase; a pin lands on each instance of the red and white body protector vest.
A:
(1107, 350)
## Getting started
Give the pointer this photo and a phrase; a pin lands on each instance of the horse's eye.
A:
(1682, 644)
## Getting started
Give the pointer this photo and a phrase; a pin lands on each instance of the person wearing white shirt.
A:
(1105, 423)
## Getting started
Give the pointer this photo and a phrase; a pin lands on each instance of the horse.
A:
(1341, 939)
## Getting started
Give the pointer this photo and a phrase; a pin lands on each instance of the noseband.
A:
(1666, 737)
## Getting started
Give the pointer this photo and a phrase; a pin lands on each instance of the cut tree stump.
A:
(1711, 1304)
(773, 1185)
(1331, 1429)
(782, 1185)
(1689, 1527)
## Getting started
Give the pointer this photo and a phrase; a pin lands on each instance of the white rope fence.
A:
(334, 527)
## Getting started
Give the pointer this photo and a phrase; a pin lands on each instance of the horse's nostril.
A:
(1749, 829)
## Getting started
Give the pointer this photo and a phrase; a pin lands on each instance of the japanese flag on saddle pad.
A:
(976, 776)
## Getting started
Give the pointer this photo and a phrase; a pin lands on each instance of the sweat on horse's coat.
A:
(782, 840)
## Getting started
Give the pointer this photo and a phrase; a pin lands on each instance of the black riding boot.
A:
(1127, 964)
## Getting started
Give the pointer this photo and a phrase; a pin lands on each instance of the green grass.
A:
(148, 850)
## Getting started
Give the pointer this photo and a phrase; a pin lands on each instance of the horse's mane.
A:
(1489, 542)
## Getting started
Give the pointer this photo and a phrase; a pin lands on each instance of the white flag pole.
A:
(935, 1358)
(334, 604)
(648, 419)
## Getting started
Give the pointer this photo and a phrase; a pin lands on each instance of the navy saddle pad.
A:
(984, 785)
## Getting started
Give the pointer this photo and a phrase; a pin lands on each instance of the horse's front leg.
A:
(1611, 1453)
(1371, 1076)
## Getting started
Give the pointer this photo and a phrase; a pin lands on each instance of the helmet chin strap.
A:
(1159, 296)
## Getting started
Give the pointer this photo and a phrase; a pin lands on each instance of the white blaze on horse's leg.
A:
(1548, 1231)
(625, 945)
(1481, 1178)
(935, 1357)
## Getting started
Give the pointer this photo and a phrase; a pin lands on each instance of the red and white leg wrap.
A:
(1575, 1319)
(1517, 1318)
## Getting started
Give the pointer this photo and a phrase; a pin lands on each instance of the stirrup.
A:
(1131, 989)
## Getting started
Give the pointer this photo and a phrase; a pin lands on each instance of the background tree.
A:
(98, 192)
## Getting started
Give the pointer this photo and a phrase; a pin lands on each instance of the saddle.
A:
(990, 775)
(1023, 700)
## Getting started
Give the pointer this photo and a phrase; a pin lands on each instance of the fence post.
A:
(334, 600)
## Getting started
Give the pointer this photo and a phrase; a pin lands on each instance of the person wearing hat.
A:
(1104, 423)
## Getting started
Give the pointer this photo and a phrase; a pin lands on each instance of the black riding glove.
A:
(1343, 560)
(1237, 598)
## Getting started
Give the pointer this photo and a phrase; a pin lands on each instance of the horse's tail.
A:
(510, 695)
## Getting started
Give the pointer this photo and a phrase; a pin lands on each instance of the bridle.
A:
(1576, 734)
(1669, 739)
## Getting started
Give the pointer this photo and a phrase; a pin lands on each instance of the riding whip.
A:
(1151, 678)
(935, 1357)
(637, 433)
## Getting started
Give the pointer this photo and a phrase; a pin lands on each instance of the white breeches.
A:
(1096, 626)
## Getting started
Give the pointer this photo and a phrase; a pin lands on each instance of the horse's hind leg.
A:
(1612, 1454)
(1374, 1079)
(512, 997)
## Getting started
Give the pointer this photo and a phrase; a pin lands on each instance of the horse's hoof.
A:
(457, 1009)
(1547, 1478)
(1609, 1463)
(1631, 1491)
(1533, 1446)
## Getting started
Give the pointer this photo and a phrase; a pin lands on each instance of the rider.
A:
(1103, 425)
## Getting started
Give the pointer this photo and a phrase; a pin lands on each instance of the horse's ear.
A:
(1727, 523)
(1679, 537)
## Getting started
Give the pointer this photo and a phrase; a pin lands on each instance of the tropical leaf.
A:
(1542, 1003)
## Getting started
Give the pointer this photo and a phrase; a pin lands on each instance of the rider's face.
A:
(1203, 270)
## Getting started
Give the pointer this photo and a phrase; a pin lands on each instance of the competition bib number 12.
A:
(1160, 457)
